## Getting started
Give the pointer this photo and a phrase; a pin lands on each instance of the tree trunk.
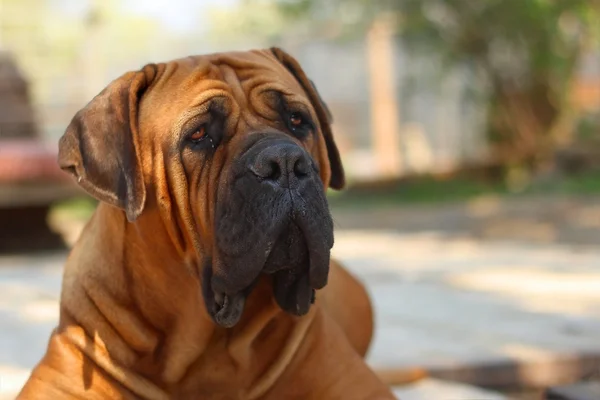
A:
(385, 120)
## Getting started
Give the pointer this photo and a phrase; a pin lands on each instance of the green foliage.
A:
(524, 53)
(513, 40)
(65, 56)
(431, 190)
(78, 208)
(423, 190)
(252, 18)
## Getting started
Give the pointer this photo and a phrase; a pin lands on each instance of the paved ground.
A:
(486, 312)
(495, 313)
(449, 305)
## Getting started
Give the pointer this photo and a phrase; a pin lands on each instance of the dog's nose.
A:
(285, 164)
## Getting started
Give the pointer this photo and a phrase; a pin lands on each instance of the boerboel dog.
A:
(196, 276)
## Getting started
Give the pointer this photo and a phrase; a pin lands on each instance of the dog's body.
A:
(194, 277)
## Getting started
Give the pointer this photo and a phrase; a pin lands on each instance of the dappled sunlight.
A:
(527, 280)
(430, 389)
(526, 352)
(441, 302)
(456, 305)
(537, 290)
(400, 247)
(40, 311)
(29, 310)
(528, 220)
(12, 380)
(484, 206)
(521, 229)
(45, 263)
(588, 217)
(17, 295)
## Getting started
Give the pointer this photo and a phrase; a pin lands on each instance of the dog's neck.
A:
(154, 320)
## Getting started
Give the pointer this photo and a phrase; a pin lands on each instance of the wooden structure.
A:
(589, 390)
(30, 179)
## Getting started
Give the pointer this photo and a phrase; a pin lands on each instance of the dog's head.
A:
(235, 149)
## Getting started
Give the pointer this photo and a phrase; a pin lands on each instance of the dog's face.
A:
(236, 150)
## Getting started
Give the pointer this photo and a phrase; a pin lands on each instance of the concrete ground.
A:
(493, 314)
(482, 312)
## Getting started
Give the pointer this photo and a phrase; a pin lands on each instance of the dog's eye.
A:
(198, 134)
(296, 120)
(299, 124)
(201, 137)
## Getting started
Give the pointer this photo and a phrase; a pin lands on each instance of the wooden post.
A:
(385, 121)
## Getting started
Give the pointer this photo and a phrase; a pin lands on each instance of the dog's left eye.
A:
(296, 120)
(299, 124)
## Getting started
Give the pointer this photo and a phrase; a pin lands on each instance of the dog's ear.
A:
(100, 145)
(338, 179)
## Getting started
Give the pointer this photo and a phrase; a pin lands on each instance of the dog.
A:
(205, 271)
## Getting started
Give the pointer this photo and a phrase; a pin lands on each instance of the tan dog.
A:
(195, 277)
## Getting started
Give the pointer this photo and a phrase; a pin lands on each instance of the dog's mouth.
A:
(225, 309)
(296, 262)
(291, 291)
(288, 263)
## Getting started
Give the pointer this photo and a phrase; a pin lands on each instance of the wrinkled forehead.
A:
(243, 76)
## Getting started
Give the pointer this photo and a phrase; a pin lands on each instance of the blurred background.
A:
(469, 130)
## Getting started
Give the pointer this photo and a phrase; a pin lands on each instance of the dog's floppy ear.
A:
(100, 145)
(338, 179)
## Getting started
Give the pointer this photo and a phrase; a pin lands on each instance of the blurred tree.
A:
(525, 51)
(69, 56)
(38, 29)
(259, 19)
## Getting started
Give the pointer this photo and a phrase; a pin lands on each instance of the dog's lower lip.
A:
(221, 300)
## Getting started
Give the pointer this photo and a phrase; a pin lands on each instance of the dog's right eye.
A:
(200, 137)
(199, 134)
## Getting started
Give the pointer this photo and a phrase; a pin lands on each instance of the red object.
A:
(23, 160)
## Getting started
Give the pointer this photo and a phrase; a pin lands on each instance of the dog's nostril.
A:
(269, 170)
(275, 171)
(301, 168)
